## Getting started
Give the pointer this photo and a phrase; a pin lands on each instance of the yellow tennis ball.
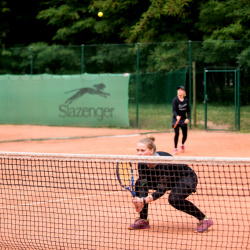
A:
(100, 14)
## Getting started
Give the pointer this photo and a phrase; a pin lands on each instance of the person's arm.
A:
(174, 107)
(188, 113)
(139, 203)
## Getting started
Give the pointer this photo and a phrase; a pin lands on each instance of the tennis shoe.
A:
(182, 149)
(139, 224)
(175, 151)
(203, 225)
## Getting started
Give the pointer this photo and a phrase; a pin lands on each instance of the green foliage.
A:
(244, 59)
(166, 57)
(160, 14)
(110, 58)
(45, 59)
(4, 9)
(56, 60)
(224, 23)
(225, 20)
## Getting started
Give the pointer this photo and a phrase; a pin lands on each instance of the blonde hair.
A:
(149, 141)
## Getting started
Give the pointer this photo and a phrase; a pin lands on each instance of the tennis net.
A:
(67, 201)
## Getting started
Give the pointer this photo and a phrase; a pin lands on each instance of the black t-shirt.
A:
(181, 109)
(164, 177)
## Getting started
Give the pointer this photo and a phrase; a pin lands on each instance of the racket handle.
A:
(177, 122)
(133, 193)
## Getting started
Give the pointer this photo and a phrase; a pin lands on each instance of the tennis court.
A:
(76, 140)
(62, 202)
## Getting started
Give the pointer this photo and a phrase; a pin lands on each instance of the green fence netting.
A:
(151, 66)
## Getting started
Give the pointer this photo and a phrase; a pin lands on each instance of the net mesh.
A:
(63, 201)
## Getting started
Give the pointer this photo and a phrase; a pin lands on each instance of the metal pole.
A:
(205, 98)
(137, 85)
(190, 79)
(235, 99)
(194, 94)
(82, 58)
(238, 98)
(31, 60)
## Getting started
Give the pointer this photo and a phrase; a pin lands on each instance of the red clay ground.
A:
(118, 141)
(169, 232)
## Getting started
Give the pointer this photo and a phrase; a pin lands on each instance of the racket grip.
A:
(177, 122)
(133, 193)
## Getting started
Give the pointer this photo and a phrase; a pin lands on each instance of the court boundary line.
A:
(60, 200)
(85, 137)
(105, 193)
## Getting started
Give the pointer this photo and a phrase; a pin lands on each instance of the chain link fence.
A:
(156, 69)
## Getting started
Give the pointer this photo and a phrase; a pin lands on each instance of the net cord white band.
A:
(127, 158)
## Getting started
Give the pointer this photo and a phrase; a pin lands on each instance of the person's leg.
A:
(184, 137)
(176, 137)
(184, 134)
(177, 199)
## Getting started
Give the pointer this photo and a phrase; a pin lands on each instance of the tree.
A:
(226, 24)
(4, 10)
(127, 21)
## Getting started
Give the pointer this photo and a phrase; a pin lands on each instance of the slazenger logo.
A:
(86, 112)
(97, 90)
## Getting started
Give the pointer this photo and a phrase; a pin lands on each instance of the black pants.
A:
(177, 197)
(176, 136)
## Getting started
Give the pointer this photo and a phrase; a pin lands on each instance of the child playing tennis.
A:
(181, 110)
(179, 178)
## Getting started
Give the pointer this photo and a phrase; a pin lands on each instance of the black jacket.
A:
(163, 177)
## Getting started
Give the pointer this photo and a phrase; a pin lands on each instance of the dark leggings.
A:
(177, 198)
(184, 135)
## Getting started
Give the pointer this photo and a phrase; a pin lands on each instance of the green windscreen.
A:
(77, 100)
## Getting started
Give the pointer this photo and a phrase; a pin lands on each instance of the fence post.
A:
(238, 91)
(205, 98)
(194, 93)
(137, 85)
(190, 80)
(82, 58)
(31, 60)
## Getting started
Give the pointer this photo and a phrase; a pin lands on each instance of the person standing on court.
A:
(181, 110)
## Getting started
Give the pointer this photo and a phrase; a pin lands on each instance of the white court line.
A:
(60, 200)
(226, 187)
(114, 192)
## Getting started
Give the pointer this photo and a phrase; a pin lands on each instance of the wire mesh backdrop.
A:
(150, 66)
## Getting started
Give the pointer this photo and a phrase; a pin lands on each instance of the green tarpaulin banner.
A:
(68, 100)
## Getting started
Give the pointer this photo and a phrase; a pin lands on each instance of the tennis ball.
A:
(100, 14)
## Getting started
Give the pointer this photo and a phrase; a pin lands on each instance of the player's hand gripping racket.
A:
(124, 172)
(177, 122)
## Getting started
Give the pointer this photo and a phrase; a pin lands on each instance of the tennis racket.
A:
(124, 172)
(177, 122)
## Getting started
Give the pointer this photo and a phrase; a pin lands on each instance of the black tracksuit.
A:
(180, 109)
(179, 178)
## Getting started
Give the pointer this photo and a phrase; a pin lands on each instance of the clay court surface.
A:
(106, 218)
(75, 140)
